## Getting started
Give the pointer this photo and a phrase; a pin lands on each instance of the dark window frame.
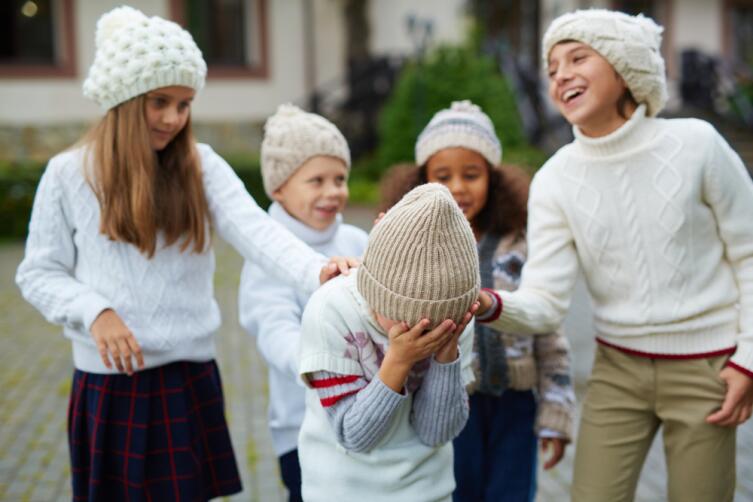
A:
(65, 50)
(257, 71)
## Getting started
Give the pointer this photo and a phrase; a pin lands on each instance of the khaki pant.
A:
(628, 398)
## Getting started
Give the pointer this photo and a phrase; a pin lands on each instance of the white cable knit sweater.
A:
(659, 216)
(71, 272)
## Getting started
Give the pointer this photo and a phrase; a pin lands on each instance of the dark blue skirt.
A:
(158, 435)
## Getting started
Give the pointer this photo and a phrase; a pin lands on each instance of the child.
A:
(119, 253)
(380, 354)
(304, 164)
(495, 454)
(658, 213)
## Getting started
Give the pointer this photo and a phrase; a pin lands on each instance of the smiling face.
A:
(316, 191)
(466, 174)
(585, 88)
(167, 110)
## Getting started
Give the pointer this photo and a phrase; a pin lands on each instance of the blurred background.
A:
(379, 69)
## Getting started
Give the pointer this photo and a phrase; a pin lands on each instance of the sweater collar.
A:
(310, 236)
(634, 134)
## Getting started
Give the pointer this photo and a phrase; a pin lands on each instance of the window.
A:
(36, 38)
(230, 33)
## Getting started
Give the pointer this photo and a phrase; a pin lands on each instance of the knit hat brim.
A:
(411, 310)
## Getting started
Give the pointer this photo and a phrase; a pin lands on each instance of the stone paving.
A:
(35, 372)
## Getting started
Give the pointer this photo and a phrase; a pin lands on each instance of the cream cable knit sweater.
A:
(71, 272)
(659, 217)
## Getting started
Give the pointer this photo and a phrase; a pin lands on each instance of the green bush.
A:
(423, 88)
(18, 184)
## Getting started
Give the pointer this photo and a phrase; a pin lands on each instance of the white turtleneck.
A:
(271, 310)
(659, 216)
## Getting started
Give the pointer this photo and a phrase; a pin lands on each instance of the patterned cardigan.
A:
(519, 362)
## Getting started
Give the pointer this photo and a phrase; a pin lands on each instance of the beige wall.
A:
(58, 100)
(389, 34)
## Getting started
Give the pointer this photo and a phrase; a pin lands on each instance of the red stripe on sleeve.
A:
(334, 381)
(331, 400)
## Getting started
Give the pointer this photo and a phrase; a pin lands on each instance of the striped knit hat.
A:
(462, 125)
(421, 260)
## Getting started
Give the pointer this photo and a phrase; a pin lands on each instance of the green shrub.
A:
(18, 184)
(423, 88)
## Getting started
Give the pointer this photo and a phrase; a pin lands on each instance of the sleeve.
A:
(440, 406)
(252, 232)
(360, 413)
(540, 303)
(46, 274)
(556, 407)
(728, 191)
(269, 310)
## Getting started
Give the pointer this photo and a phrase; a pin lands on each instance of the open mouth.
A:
(571, 94)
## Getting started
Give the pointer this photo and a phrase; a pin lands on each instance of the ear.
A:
(277, 196)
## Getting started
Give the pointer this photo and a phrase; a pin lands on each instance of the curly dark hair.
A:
(505, 209)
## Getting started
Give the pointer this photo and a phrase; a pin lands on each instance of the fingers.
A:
(378, 218)
(397, 330)
(125, 355)
(438, 336)
(136, 350)
(102, 348)
(557, 447)
(337, 265)
(728, 414)
(467, 318)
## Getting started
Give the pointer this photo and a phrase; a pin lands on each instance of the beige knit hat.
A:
(464, 125)
(291, 137)
(631, 44)
(136, 54)
(421, 260)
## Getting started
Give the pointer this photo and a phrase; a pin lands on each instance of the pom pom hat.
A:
(136, 54)
(631, 44)
(462, 125)
(291, 137)
(421, 260)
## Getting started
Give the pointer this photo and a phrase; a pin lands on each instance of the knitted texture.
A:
(462, 125)
(136, 54)
(291, 137)
(631, 44)
(421, 260)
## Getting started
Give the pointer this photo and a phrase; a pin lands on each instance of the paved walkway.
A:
(35, 370)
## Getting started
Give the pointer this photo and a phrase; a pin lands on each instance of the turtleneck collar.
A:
(310, 236)
(636, 133)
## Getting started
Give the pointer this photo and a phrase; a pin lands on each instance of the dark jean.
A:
(495, 454)
(290, 470)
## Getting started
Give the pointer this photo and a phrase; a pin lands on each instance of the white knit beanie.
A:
(464, 125)
(136, 54)
(631, 44)
(291, 137)
(421, 260)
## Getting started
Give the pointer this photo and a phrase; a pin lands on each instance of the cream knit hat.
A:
(421, 260)
(136, 54)
(464, 125)
(291, 137)
(631, 44)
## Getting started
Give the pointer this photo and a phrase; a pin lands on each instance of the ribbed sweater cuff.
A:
(742, 359)
(440, 409)
(555, 417)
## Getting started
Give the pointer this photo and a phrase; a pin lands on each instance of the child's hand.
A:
(337, 265)
(378, 218)
(114, 339)
(738, 401)
(557, 447)
(448, 352)
(410, 345)
(484, 302)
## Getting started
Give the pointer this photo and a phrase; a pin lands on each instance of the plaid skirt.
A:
(158, 435)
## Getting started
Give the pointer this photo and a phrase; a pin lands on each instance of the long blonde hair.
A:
(142, 192)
